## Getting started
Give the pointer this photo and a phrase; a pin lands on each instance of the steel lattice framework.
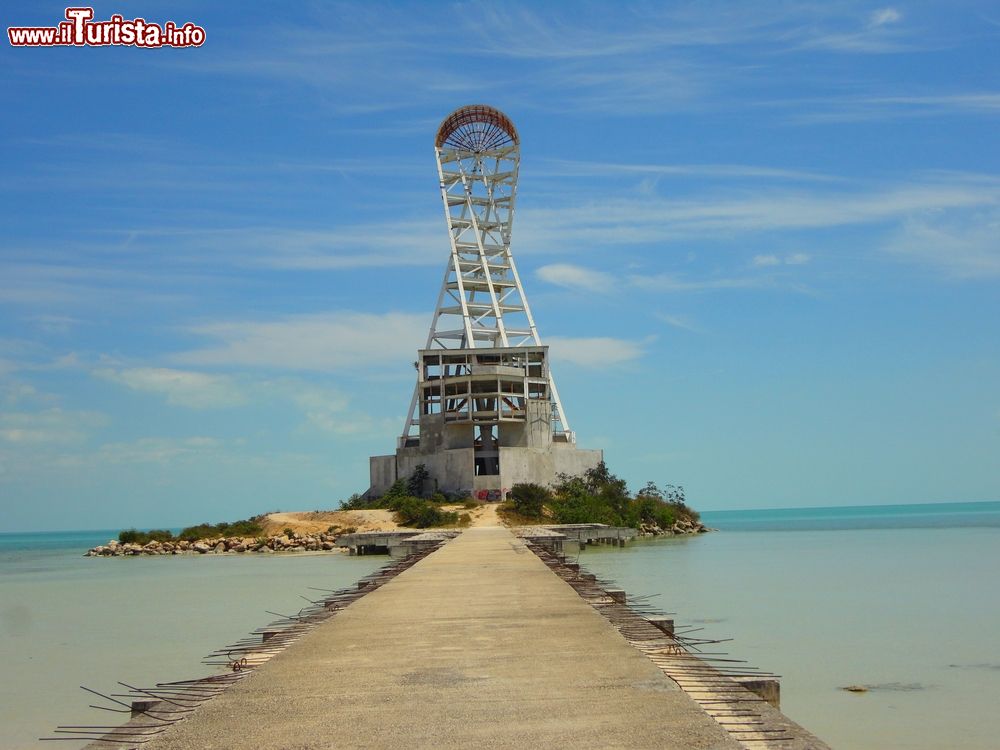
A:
(481, 302)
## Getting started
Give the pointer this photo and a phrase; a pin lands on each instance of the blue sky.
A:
(761, 239)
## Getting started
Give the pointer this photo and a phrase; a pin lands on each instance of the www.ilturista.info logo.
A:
(80, 30)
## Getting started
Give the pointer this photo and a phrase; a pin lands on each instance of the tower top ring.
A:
(476, 127)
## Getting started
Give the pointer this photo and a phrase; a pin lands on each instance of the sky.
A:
(762, 240)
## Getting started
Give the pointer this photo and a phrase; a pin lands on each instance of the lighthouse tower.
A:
(485, 413)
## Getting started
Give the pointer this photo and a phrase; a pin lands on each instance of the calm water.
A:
(67, 621)
(900, 598)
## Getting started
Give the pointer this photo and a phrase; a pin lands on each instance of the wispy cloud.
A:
(966, 247)
(333, 341)
(667, 282)
(679, 321)
(575, 168)
(180, 387)
(50, 426)
(577, 278)
(624, 221)
(885, 16)
(769, 260)
(860, 108)
(594, 353)
(160, 450)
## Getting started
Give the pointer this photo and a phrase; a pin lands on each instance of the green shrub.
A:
(584, 509)
(421, 514)
(601, 497)
(415, 484)
(247, 528)
(529, 499)
(134, 536)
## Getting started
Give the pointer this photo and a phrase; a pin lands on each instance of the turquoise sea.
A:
(902, 599)
(67, 620)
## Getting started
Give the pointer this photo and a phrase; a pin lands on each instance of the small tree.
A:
(415, 485)
(650, 490)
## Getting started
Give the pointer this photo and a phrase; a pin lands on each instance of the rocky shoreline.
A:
(297, 542)
(683, 526)
(322, 542)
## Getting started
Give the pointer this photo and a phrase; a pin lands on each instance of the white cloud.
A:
(158, 449)
(593, 353)
(52, 426)
(574, 168)
(665, 282)
(331, 341)
(865, 108)
(328, 410)
(623, 221)
(966, 248)
(679, 321)
(795, 259)
(575, 277)
(885, 16)
(181, 387)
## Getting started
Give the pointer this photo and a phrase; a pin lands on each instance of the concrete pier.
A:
(478, 645)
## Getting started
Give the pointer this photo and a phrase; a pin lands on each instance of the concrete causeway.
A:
(479, 645)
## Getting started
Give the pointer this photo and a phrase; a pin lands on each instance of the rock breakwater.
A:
(322, 542)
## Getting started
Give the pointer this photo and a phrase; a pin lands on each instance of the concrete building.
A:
(485, 412)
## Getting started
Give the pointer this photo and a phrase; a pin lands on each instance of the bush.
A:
(415, 484)
(584, 509)
(601, 497)
(247, 528)
(420, 514)
(134, 536)
(529, 499)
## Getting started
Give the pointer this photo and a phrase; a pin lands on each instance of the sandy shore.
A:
(311, 522)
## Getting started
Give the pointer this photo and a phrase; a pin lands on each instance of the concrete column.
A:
(663, 623)
(768, 688)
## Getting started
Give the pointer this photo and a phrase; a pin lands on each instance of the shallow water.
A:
(911, 612)
(67, 621)
(902, 599)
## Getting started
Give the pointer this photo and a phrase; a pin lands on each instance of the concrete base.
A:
(453, 471)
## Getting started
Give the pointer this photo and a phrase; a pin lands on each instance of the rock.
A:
(267, 549)
(220, 547)
(329, 545)
(238, 548)
(200, 547)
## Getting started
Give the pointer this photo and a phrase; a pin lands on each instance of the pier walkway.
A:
(479, 645)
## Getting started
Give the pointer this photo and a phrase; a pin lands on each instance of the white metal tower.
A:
(482, 302)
